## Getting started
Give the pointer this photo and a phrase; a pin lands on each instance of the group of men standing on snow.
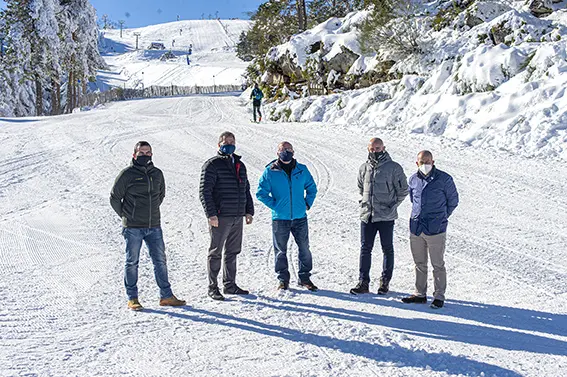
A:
(289, 190)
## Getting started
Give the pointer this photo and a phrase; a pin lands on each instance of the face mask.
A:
(425, 169)
(143, 160)
(227, 149)
(285, 156)
(379, 155)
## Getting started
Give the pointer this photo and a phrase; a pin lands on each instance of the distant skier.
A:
(256, 97)
(173, 43)
(136, 197)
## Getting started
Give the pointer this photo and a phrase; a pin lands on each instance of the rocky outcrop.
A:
(341, 62)
(540, 8)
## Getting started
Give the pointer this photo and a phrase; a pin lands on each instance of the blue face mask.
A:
(286, 156)
(227, 149)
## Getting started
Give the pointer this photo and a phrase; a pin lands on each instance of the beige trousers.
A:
(421, 246)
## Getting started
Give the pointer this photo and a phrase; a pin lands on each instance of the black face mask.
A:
(286, 156)
(143, 160)
(376, 155)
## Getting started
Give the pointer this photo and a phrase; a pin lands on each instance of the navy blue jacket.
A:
(225, 190)
(439, 199)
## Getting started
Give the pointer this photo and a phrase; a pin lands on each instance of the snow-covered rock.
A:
(499, 83)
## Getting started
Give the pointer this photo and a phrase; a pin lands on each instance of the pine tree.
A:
(322, 10)
(274, 22)
(393, 26)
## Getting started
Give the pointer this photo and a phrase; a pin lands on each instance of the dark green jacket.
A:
(137, 194)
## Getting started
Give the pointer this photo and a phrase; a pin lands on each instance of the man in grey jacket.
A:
(383, 187)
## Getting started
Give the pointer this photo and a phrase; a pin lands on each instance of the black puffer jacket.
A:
(137, 194)
(224, 190)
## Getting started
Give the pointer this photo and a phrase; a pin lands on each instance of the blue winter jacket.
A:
(287, 197)
(439, 199)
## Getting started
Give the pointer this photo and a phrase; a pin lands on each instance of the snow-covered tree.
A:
(48, 42)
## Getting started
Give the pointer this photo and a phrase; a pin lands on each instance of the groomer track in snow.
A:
(64, 309)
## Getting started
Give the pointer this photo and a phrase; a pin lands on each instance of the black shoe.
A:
(414, 299)
(437, 304)
(283, 285)
(309, 285)
(361, 287)
(384, 287)
(235, 290)
(215, 294)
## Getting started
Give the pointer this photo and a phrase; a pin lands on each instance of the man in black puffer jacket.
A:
(225, 194)
(136, 197)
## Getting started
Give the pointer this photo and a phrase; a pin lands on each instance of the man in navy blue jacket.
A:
(434, 197)
(225, 194)
(288, 189)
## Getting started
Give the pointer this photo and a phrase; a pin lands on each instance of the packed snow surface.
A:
(63, 309)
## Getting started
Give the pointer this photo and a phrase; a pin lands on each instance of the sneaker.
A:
(235, 290)
(134, 304)
(309, 285)
(361, 287)
(215, 294)
(414, 299)
(172, 301)
(283, 285)
(437, 304)
(384, 287)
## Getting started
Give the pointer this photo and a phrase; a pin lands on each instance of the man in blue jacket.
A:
(256, 97)
(288, 189)
(434, 197)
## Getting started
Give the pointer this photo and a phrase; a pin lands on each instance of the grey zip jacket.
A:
(383, 187)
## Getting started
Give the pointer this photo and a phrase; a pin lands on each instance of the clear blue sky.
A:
(148, 12)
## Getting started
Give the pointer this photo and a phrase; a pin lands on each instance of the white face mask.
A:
(425, 169)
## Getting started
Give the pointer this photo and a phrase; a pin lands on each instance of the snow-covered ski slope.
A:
(212, 61)
(63, 308)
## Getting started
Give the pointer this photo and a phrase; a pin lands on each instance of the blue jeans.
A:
(368, 233)
(154, 241)
(280, 232)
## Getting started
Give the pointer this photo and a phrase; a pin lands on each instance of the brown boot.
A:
(172, 301)
(134, 304)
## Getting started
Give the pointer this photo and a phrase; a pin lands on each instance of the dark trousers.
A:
(228, 237)
(256, 107)
(300, 230)
(367, 236)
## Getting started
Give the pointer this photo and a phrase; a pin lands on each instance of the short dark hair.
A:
(226, 134)
(141, 144)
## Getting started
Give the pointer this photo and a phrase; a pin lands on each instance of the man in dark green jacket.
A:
(136, 197)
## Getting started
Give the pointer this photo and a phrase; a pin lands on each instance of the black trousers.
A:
(257, 108)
